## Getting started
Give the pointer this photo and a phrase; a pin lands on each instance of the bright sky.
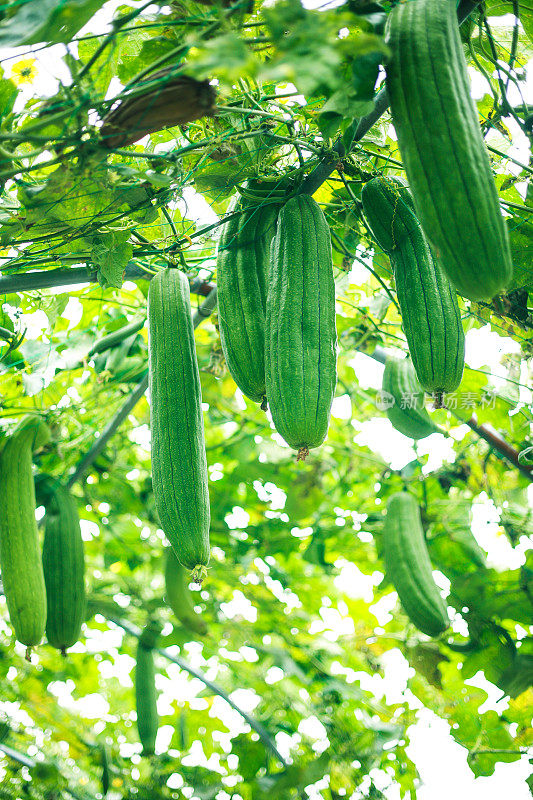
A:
(440, 761)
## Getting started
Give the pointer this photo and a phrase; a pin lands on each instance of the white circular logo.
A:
(384, 400)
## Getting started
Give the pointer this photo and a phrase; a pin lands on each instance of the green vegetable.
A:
(114, 338)
(430, 313)
(389, 210)
(409, 568)
(242, 267)
(118, 354)
(404, 400)
(442, 148)
(132, 369)
(145, 691)
(179, 467)
(106, 772)
(63, 565)
(179, 597)
(300, 326)
(20, 555)
(5, 729)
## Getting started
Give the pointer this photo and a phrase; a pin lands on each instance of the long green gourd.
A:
(408, 565)
(440, 141)
(179, 466)
(300, 326)
(63, 565)
(430, 313)
(145, 689)
(20, 554)
(111, 340)
(117, 355)
(404, 399)
(242, 268)
(178, 595)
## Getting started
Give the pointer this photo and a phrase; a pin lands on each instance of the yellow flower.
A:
(24, 71)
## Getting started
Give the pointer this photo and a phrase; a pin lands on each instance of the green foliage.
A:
(295, 599)
(47, 21)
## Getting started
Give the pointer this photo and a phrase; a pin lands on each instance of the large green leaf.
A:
(46, 21)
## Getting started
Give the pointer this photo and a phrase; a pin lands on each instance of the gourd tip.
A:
(198, 574)
(302, 454)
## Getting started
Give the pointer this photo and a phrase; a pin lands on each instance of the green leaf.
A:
(53, 306)
(225, 56)
(518, 677)
(8, 95)
(123, 58)
(426, 657)
(307, 57)
(295, 777)
(110, 253)
(47, 21)
(504, 595)
(251, 755)
(494, 655)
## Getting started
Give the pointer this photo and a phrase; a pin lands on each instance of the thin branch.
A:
(253, 723)
(522, 752)
(507, 157)
(199, 316)
(109, 430)
(20, 758)
(498, 443)
(501, 447)
(505, 105)
(347, 252)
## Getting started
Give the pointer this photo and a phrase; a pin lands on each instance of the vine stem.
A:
(49, 278)
(199, 316)
(253, 723)
(523, 752)
(498, 443)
